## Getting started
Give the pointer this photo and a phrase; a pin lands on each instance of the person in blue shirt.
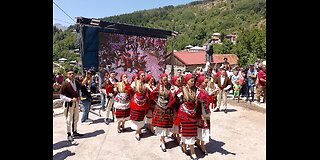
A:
(251, 79)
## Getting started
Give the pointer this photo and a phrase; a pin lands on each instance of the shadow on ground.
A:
(62, 155)
(100, 120)
(247, 105)
(171, 144)
(128, 129)
(228, 110)
(92, 134)
(231, 110)
(214, 146)
(66, 143)
(146, 133)
(62, 144)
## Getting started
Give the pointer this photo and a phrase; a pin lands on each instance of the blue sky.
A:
(104, 8)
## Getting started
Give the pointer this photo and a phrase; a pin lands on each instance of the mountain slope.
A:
(198, 20)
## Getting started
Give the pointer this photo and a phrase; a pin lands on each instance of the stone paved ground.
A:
(238, 135)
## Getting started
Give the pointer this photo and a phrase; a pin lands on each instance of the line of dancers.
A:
(180, 107)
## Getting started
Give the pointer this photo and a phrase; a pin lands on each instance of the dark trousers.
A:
(251, 89)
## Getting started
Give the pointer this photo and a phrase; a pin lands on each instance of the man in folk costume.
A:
(138, 104)
(151, 101)
(163, 114)
(110, 96)
(109, 86)
(203, 112)
(222, 82)
(174, 103)
(187, 117)
(122, 101)
(70, 94)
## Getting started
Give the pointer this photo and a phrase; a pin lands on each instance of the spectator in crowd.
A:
(113, 78)
(94, 82)
(257, 65)
(224, 84)
(251, 77)
(235, 80)
(236, 90)
(186, 72)
(243, 83)
(56, 87)
(59, 78)
(179, 72)
(226, 63)
(86, 98)
(229, 72)
(214, 72)
(102, 87)
(262, 78)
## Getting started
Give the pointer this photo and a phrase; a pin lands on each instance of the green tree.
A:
(195, 22)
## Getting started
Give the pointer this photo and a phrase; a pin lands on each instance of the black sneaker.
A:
(225, 111)
(106, 121)
(77, 134)
(69, 137)
(163, 147)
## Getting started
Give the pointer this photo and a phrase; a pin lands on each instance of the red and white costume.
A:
(187, 117)
(151, 99)
(122, 101)
(138, 105)
(203, 112)
(174, 102)
(163, 114)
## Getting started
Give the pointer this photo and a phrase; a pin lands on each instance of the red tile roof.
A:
(191, 58)
(232, 58)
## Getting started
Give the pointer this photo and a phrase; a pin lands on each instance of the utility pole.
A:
(172, 52)
(172, 59)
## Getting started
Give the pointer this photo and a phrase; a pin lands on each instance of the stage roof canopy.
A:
(123, 28)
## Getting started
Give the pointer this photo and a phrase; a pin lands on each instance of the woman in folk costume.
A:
(163, 114)
(122, 101)
(139, 105)
(213, 92)
(151, 102)
(203, 113)
(187, 117)
(174, 103)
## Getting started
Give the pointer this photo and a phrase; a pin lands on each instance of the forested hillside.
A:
(195, 23)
